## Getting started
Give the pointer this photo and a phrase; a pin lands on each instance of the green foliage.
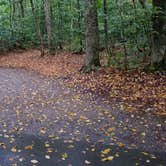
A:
(129, 25)
(132, 28)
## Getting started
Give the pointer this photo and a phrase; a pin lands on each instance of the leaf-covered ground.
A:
(133, 90)
(69, 120)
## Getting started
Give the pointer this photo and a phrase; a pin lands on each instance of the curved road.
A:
(44, 122)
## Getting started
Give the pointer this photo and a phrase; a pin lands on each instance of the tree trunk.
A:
(22, 16)
(22, 8)
(105, 24)
(142, 2)
(47, 9)
(91, 37)
(37, 27)
(11, 20)
(79, 24)
(59, 26)
(159, 33)
(71, 24)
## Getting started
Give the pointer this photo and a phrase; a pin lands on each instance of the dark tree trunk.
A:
(79, 23)
(11, 20)
(159, 35)
(91, 37)
(47, 9)
(22, 16)
(142, 2)
(22, 8)
(37, 27)
(59, 26)
(105, 24)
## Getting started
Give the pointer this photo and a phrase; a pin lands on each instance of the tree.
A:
(22, 17)
(91, 37)
(79, 24)
(105, 24)
(142, 2)
(159, 33)
(37, 26)
(59, 26)
(47, 9)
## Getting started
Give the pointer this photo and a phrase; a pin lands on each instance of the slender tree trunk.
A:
(71, 24)
(59, 26)
(92, 37)
(142, 2)
(37, 27)
(105, 24)
(159, 35)
(47, 9)
(123, 35)
(11, 20)
(22, 20)
(79, 24)
(22, 8)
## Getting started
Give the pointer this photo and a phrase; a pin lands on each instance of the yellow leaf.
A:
(144, 153)
(43, 130)
(49, 150)
(2, 145)
(111, 129)
(134, 130)
(47, 157)
(93, 149)
(87, 162)
(34, 161)
(14, 149)
(117, 155)
(106, 151)
(109, 158)
(33, 93)
(64, 156)
(21, 159)
(143, 134)
(83, 117)
(47, 145)
(28, 147)
(120, 144)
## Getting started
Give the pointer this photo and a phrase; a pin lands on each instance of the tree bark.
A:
(91, 37)
(11, 19)
(79, 24)
(22, 8)
(47, 9)
(142, 2)
(105, 24)
(22, 16)
(159, 33)
(37, 27)
(59, 26)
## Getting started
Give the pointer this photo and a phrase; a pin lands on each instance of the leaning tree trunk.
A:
(159, 36)
(91, 37)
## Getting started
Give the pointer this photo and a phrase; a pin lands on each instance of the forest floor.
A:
(133, 90)
(64, 118)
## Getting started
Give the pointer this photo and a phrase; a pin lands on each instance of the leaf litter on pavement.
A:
(109, 107)
(135, 90)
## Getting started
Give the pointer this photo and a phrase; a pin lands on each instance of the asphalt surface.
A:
(44, 122)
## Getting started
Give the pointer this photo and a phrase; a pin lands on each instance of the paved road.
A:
(44, 122)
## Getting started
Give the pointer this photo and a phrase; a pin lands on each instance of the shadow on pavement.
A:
(31, 150)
